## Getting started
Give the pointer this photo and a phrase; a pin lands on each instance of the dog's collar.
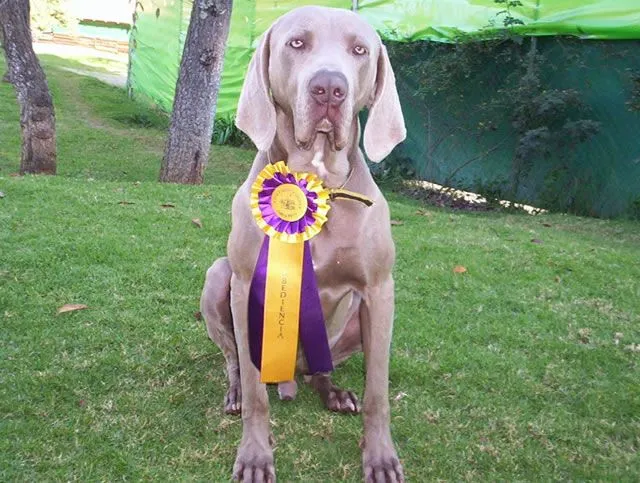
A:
(349, 195)
(341, 192)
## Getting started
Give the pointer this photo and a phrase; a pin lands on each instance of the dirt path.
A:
(107, 67)
(118, 80)
(78, 106)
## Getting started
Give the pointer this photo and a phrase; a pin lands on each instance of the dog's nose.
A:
(328, 87)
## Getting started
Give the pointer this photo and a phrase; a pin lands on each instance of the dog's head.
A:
(321, 66)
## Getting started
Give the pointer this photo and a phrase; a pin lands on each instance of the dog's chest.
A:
(337, 252)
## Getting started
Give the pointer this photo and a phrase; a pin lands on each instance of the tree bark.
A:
(37, 116)
(187, 150)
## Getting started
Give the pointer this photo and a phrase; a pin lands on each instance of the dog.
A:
(315, 69)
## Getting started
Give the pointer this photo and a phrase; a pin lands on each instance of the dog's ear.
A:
(385, 124)
(256, 115)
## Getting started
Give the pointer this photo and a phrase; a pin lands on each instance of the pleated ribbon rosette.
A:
(284, 303)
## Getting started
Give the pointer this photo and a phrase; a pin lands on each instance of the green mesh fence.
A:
(160, 28)
(461, 133)
(445, 144)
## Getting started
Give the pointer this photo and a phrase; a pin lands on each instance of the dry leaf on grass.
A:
(396, 222)
(71, 308)
(632, 347)
(123, 202)
(197, 315)
(584, 335)
(432, 416)
(459, 269)
(537, 241)
(423, 213)
(197, 222)
(400, 396)
(548, 225)
(168, 205)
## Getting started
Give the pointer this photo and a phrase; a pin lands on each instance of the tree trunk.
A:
(187, 149)
(37, 117)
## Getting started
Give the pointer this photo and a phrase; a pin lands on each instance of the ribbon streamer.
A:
(284, 303)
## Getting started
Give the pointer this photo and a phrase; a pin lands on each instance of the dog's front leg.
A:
(379, 457)
(254, 460)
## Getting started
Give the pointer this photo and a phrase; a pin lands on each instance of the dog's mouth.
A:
(323, 127)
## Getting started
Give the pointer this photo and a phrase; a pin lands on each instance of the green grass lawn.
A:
(523, 368)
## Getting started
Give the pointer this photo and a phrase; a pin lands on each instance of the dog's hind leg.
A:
(334, 398)
(216, 310)
(350, 342)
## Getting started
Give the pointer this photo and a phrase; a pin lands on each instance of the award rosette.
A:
(284, 303)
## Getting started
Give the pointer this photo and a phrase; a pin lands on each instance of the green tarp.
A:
(410, 20)
(161, 25)
(605, 172)
(155, 47)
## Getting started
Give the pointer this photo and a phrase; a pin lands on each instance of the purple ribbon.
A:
(312, 333)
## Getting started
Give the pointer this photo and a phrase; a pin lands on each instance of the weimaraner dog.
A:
(313, 71)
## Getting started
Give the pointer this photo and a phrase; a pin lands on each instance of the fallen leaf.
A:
(396, 222)
(14, 175)
(197, 315)
(400, 396)
(168, 205)
(71, 308)
(557, 279)
(459, 269)
(584, 335)
(548, 225)
(432, 417)
(423, 213)
(137, 183)
(125, 202)
(535, 240)
(197, 222)
(82, 403)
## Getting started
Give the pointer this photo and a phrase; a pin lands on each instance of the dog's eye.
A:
(296, 43)
(359, 50)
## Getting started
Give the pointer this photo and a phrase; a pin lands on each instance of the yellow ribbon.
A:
(281, 311)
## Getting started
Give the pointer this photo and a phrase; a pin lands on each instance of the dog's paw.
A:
(233, 400)
(341, 401)
(254, 464)
(381, 464)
